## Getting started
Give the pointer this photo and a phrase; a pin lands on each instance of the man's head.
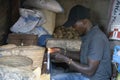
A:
(78, 18)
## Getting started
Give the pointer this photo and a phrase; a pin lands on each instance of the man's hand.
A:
(57, 57)
(56, 50)
(75, 55)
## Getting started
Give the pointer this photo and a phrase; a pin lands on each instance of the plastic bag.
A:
(51, 5)
(38, 31)
(34, 13)
(116, 56)
(28, 21)
(43, 39)
(23, 25)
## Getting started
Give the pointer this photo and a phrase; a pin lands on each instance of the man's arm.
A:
(75, 55)
(88, 69)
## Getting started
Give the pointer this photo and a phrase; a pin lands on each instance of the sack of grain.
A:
(51, 5)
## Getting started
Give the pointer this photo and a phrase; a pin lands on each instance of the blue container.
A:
(42, 40)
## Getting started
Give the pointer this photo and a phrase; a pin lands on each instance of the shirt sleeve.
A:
(96, 48)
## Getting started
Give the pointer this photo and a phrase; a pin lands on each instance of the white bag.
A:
(38, 31)
(28, 21)
(51, 5)
(13, 73)
(34, 13)
(22, 26)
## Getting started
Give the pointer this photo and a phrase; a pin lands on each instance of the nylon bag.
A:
(51, 5)
(116, 57)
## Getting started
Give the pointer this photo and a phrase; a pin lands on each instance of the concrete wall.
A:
(99, 7)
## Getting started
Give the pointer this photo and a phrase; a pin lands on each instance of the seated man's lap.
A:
(69, 76)
(60, 73)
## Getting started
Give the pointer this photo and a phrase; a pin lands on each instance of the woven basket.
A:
(34, 52)
(8, 46)
(16, 61)
(6, 50)
(13, 73)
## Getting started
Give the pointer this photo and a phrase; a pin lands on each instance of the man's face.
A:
(80, 27)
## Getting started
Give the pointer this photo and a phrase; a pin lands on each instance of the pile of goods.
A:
(65, 33)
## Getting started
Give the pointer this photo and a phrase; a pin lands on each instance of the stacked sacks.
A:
(51, 5)
(28, 21)
(31, 22)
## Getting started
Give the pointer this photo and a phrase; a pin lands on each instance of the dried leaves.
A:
(66, 33)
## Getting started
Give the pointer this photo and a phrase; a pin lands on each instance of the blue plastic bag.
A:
(42, 40)
(116, 56)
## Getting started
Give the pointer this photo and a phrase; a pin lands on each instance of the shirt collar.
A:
(91, 32)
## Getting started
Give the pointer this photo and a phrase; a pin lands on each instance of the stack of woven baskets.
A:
(17, 61)
(27, 58)
(35, 53)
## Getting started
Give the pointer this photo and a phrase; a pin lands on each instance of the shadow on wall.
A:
(95, 18)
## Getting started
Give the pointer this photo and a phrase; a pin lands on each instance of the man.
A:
(93, 62)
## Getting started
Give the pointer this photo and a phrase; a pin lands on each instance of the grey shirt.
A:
(95, 46)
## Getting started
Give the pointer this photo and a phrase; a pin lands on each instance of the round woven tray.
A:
(16, 61)
(34, 52)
